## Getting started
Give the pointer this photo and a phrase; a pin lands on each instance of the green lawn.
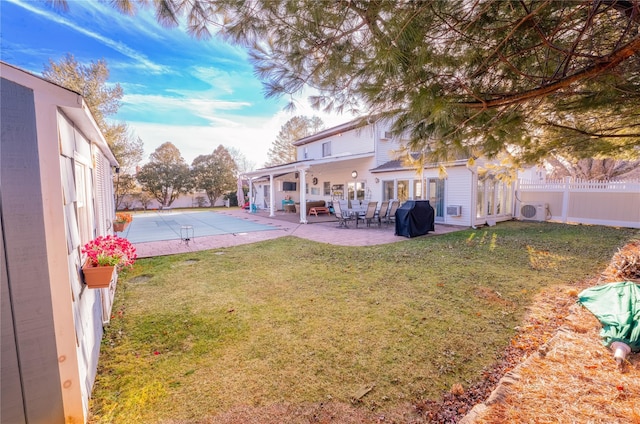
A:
(294, 321)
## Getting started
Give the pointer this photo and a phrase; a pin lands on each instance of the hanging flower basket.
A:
(105, 256)
(122, 221)
(98, 277)
(120, 226)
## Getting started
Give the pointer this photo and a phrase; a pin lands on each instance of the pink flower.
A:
(110, 250)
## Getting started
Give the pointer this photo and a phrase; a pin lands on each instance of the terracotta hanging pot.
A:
(98, 277)
(120, 226)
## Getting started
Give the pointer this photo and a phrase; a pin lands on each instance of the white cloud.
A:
(188, 100)
(223, 81)
(201, 104)
(140, 59)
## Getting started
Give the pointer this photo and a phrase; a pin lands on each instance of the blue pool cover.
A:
(157, 226)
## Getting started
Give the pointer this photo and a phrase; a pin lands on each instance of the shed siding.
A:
(27, 276)
(11, 401)
(48, 369)
(86, 303)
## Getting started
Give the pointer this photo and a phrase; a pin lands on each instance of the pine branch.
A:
(606, 64)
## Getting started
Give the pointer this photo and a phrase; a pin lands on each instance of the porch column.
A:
(303, 196)
(252, 199)
(272, 210)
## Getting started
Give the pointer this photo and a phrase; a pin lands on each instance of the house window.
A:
(508, 204)
(490, 190)
(387, 190)
(436, 196)
(266, 195)
(326, 149)
(480, 199)
(350, 190)
(326, 186)
(403, 190)
(417, 190)
(359, 190)
(306, 153)
(494, 197)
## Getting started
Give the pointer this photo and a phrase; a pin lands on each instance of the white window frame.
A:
(84, 205)
(326, 149)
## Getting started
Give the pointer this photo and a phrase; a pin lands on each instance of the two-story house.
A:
(358, 162)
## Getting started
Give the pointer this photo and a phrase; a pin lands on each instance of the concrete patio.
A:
(322, 229)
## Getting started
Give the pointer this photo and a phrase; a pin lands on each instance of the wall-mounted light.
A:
(377, 180)
(354, 174)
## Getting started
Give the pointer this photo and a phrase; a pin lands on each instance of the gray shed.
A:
(56, 194)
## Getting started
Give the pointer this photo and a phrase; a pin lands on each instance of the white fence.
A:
(612, 203)
(189, 200)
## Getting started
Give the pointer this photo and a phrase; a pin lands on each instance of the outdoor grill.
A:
(415, 218)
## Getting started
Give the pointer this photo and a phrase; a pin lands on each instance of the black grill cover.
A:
(414, 218)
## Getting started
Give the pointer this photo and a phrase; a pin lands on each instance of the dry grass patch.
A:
(571, 377)
(574, 380)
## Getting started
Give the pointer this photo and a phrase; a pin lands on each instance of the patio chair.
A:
(392, 212)
(391, 216)
(370, 214)
(345, 207)
(342, 214)
(382, 212)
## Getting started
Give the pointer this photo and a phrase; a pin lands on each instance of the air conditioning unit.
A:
(454, 210)
(534, 211)
(385, 135)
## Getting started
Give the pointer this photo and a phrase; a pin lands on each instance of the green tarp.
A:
(617, 306)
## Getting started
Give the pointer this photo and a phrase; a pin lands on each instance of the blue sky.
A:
(196, 94)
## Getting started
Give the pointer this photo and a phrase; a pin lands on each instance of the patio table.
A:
(357, 214)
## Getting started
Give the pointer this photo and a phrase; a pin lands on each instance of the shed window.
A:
(83, 202)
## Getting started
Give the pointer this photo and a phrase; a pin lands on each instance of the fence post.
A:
(565, 198)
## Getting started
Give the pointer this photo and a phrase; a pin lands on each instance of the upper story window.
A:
(326, 149)
(306, 153)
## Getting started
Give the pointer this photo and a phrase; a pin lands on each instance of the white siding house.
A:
(56, 195)
(359, 162)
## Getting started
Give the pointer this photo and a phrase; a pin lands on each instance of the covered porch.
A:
(301, 187)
